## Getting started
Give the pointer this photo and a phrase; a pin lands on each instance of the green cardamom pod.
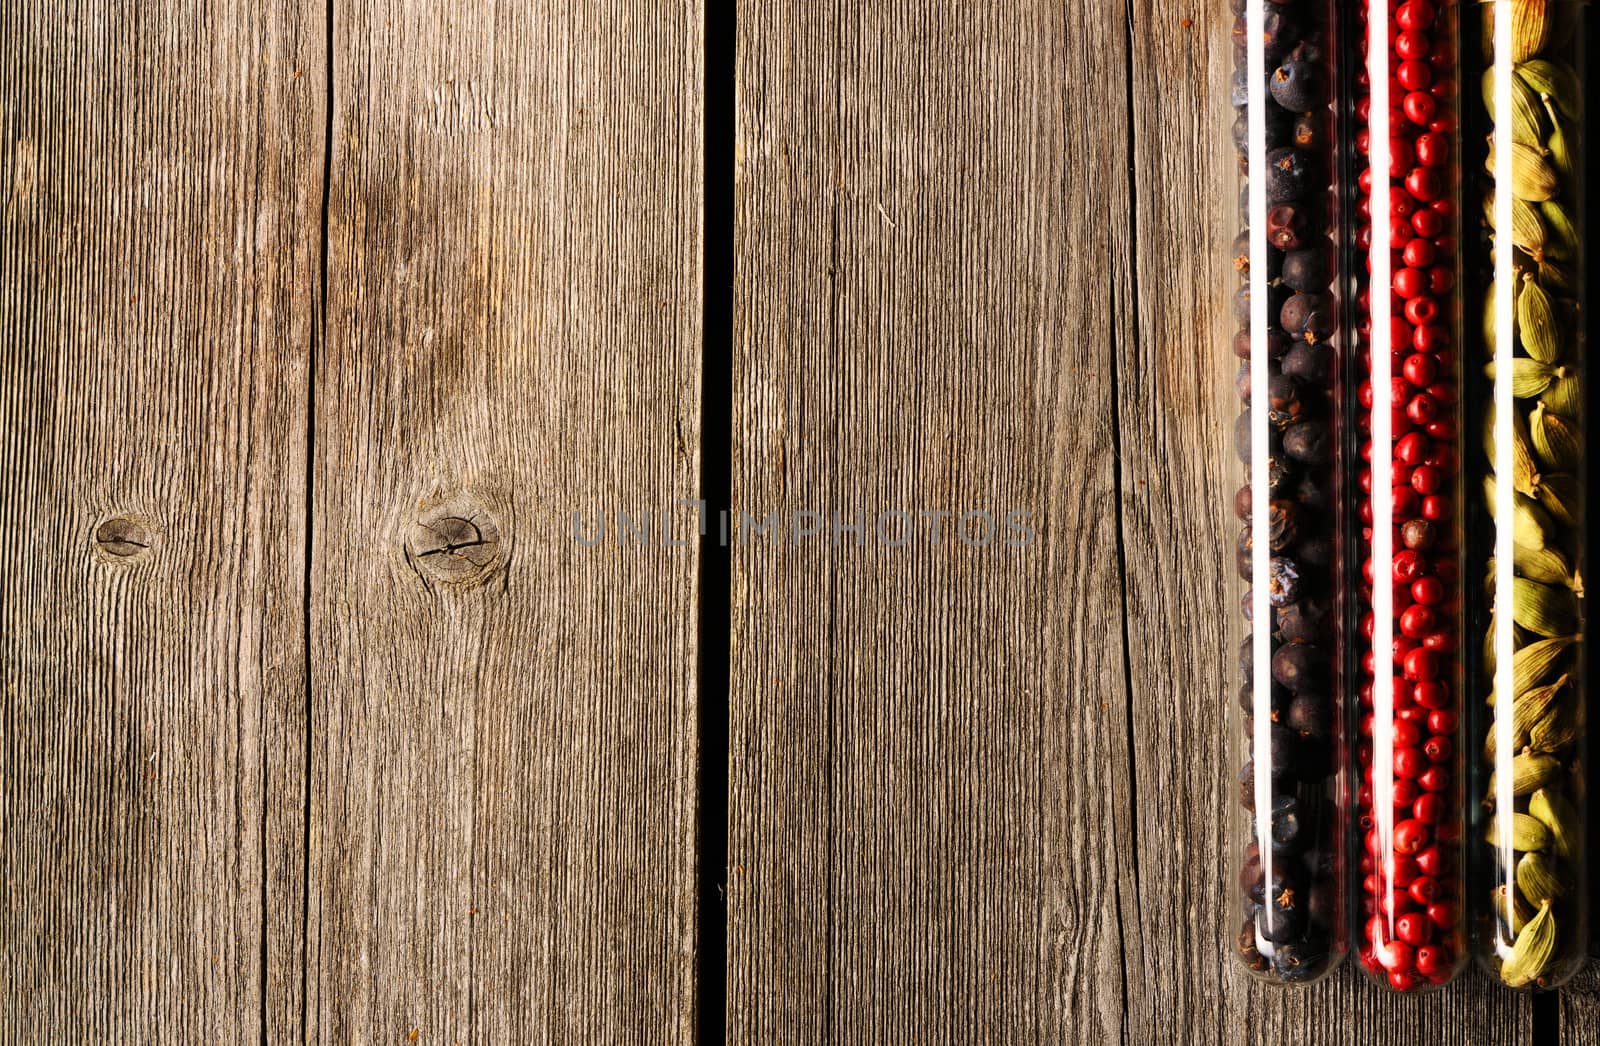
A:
(1555, 81)
(1522, 833)
(1555, 144)
(1524, 468)
(1530, 28)
(1534, 948)
(1565, 396)
(1527, 229)
(1561, 818)
(1561, 239)
(1532, 177)
(1530, 524)
(1535, 663)
(1538, 880)
(1526, 710)
(1509, 905)
(1489, 317)
(1527, 116)
(1556, 278)
(1536, 323)
(1559, 728)
(1546, 610)
(1546, 565)
(1529, 377)
(1488, 641)
(1558, 496)
(1555, 440)
(1527, 225)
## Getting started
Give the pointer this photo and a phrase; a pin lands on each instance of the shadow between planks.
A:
(336, 734)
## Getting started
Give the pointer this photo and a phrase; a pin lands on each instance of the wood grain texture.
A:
(503, 767)
(158, 246)
(1579, 1007)
(922, 736)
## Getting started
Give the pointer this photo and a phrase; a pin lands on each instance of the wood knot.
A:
(457, 542)
(124, 539)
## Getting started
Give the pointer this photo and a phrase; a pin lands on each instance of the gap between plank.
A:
(319, 334)
(1117, 492)
(714, 641)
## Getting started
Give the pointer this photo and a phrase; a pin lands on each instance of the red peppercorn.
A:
(1428, 808)
(1408, 565)
(1441, 428)
(1374, 844)
(1424, 182)
(1409, 762)
(1405, 792)
(1419, 107)
(1433, 149)
(1394, 902)
(1440, 642)
(1406, 735)
(1411, 45)
(1399, 869)
(1414, 14)
(1412, 448)
(1431, 694)
(1434, 779)
(1422, 664)
(1420, 312)
(1409, 283)
(1431, 338)
(1401, 158)
(1430, 862)
(1427, 223)
(1419, 253)
(1417, 621)
(1403, 980)
(1415, 75)
(1426, 479)
(1438, 749)
(1422, 408)
(1397, 957)
(1413, 928)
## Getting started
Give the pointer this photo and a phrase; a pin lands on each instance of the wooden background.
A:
(318, 324)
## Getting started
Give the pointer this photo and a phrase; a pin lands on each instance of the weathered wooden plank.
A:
(162, 168)
(925, 739)
(1580, 1008)
(503, 735)
(1176, 404)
